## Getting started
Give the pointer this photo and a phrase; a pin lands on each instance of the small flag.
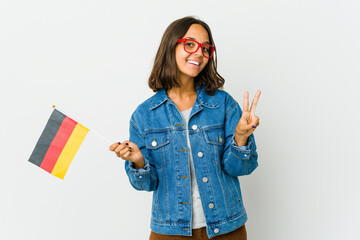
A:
(58, 144)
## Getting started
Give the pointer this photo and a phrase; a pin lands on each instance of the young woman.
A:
(190, 141)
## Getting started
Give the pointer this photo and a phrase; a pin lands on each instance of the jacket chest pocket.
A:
(215, 139)
(158, 144)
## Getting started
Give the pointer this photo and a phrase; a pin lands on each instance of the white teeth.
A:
(193, 62)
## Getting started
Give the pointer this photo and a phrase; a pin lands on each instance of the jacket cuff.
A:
(242, 152)
(139, 174)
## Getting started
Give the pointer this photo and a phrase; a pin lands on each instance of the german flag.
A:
(58, 144)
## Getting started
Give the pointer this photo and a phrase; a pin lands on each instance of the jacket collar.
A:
(201, 96)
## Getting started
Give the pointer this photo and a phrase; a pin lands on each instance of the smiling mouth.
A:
(194, 63)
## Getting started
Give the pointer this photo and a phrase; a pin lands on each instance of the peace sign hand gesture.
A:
(248, 121)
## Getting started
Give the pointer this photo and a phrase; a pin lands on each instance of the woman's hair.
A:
(165, 71)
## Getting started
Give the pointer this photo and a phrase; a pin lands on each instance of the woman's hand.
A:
(248, 121)
(128, 151)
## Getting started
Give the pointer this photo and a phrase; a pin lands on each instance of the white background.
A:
(92, 59)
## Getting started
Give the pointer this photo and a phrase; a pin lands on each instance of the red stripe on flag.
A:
(58, 143)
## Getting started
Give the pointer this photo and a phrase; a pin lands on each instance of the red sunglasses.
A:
(191, 46)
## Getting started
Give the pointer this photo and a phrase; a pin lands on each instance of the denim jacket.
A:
(158, 129)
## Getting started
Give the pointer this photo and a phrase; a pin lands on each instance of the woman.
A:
(188, 143)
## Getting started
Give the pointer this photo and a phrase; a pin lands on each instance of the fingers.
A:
(255, 125)
(122, 150)
(255, 101)
(254, 122)
(126, 154)
(113, 146)
(253, 128)
(123, 153)
(246, 102)
(248, 127)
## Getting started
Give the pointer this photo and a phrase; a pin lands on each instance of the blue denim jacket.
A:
(157, 127)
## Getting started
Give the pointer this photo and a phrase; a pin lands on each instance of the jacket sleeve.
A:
(237, 160)
(143, 179)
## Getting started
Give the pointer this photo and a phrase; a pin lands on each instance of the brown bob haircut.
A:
(165, 71)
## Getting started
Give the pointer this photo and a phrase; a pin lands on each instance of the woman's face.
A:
(191, 64)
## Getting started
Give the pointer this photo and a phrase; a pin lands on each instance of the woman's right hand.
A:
(128, 151)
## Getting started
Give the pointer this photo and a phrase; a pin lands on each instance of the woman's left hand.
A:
(248, 121)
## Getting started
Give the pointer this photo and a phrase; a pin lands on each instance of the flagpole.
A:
(99, 135)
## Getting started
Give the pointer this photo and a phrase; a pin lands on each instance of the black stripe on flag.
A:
(47, 137)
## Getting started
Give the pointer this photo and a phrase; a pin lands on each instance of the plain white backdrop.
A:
(92, 59)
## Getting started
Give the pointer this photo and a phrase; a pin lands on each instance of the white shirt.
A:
(198, 217)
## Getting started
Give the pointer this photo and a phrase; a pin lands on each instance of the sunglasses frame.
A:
(200, 45)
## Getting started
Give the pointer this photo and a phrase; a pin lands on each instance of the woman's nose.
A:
(198, 52)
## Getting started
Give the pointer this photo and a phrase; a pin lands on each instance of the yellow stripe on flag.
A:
(69, 151)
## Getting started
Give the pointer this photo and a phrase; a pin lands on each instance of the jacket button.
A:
(211, 205)
(216, 230)
(194, 127)
(200, 154)
(205, 179)
(154, 143)
(220, 139)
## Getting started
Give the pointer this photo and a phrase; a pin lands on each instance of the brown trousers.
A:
(200, 234)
